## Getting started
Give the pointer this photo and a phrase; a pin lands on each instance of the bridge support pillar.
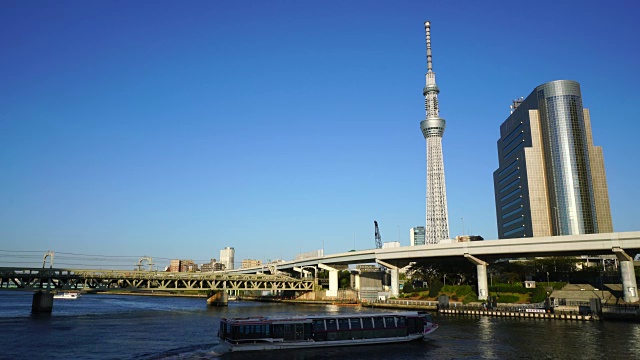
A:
(218, 298)
(481, 268)
(42, 302)
(629, 283)
(333, 280)
(395, 283)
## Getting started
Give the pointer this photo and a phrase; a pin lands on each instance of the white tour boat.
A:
(295, 332)
(66, 295)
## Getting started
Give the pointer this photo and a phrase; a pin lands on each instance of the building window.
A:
(507, 224)
(511, 194)
(510, 185)
(514, 231)
(512, 203)
(512, 212)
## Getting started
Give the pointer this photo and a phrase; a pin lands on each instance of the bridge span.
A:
(625, 245)
(139, 280)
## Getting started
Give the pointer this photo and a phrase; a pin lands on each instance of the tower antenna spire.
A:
(427, 29)
(437, 218)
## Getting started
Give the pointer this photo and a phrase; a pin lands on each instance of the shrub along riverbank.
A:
(504, 293)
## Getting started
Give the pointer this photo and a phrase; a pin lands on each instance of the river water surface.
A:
(149, 327)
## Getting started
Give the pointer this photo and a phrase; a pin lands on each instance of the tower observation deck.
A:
(437, 224)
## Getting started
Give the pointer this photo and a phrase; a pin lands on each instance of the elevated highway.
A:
(625, 245)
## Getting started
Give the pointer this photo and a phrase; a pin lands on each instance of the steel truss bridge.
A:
(138, 280)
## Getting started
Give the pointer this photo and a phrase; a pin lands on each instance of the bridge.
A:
(624, 245)
(139, 280)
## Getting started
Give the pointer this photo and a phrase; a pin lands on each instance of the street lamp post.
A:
(547, 279)
(444, 282)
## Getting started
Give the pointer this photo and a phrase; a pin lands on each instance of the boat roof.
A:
(309, 318)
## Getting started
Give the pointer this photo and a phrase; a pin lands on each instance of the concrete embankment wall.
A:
(514, 314)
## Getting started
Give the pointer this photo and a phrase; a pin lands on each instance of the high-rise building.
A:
(437, 225)
(416, 235)
(227, 256)
(551, 179)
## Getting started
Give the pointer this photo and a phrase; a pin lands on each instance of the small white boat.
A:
(297, 332)
(66, 295)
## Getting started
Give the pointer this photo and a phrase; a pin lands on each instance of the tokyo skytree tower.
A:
(437, 226)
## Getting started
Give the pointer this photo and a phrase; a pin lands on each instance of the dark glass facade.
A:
(568, 199)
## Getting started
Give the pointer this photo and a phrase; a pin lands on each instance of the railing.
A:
(412, 302)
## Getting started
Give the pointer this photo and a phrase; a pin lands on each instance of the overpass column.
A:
(483, 286)
(333, 280)
(629, 284)
(395, 284)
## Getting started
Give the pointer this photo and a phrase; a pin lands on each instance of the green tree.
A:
(407, 288)
(435, 288)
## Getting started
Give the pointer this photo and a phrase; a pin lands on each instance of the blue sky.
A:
(174, 129)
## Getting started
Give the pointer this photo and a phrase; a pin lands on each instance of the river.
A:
(150, 327)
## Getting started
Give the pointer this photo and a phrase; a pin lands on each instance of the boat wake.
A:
(208, 351)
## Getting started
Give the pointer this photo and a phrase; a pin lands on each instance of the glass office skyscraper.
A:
(551, 179)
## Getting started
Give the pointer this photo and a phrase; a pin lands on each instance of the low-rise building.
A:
(250, 263)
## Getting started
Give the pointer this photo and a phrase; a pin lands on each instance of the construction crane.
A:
(377, 234)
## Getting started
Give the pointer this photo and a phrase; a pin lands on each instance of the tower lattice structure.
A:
(437, 225)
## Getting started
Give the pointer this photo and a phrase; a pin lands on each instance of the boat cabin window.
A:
(415, 324)
(367, 323)
(401, 321)
(343, 324)
(355, 323)
(389, 322)
(318, 325)
(332, 324)
(378, 323)
(248, 331)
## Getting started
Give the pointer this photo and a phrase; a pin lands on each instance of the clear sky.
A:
(174, 129)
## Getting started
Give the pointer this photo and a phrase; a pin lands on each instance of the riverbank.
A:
(298, 301)
(145, 293)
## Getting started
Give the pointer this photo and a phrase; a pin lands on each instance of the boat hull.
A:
(66, 296)
(281, 345)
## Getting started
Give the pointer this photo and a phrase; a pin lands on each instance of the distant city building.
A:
(209, 266)
(310, 255)
(416, 236)
(218, 266)
(390, 244)
(227, 257)
(367, 268)
(182, 266)
(551, 178)
(467, 238)
(250, 263)
(188, 266)
(174, 265)
(276, 261)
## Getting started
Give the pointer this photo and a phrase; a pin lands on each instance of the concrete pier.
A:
(42, 303)
(629, 284)
(481, 269)
(218, 298)
(333, 279)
